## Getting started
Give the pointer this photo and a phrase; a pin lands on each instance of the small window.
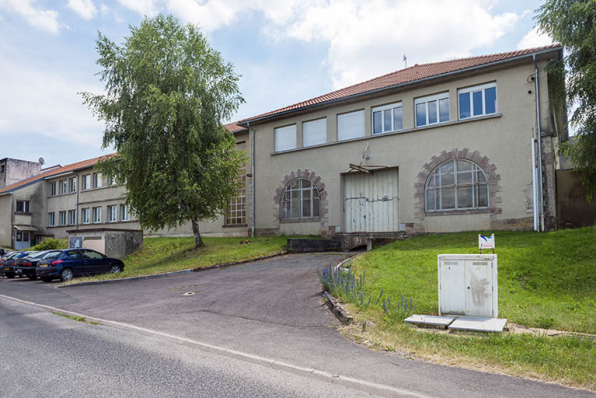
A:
(285, 138)
(72, 217)
(53, 188)
(90, 254)
(86, 182)
(71, 255)
(432, 110)
(72, 185)
(23, 206)
(112, 181)
(478, 101)
(63, 187)
(86, 216)
(387, 118)
(314, 132)
(62, 218)
(26, 237)
(112, 213)
(51, 219)
(350, 125)
(97, 215)
(97, 180)
(301, 199)
(19, 236)
(124, 213)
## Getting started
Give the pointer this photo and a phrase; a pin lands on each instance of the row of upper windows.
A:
(89, 215)
(88, 181)
(473, 102)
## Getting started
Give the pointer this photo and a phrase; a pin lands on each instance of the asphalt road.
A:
(46, 355)
(272, 309)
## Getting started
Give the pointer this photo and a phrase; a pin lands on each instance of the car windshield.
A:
(52, 255)
(35, 256)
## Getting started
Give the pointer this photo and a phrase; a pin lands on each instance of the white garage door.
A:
(370, 202)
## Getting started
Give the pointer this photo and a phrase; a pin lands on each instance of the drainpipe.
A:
(252, 163)
(539, 136)
(534, 187)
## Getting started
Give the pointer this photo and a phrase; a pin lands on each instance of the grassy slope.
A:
(545, 280)
(173, 254)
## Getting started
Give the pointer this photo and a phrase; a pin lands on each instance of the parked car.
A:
(68, 263)
(4, 252)
(8, 262)
(25, 266)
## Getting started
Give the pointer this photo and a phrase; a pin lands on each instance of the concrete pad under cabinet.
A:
(430, 320)
(478, 324)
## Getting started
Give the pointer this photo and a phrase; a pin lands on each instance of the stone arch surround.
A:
(495, 199)
(317, 182)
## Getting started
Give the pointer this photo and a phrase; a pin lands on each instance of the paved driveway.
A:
(273, 309)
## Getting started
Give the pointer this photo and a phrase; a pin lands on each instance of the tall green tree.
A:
(166, 94)
(573, 24)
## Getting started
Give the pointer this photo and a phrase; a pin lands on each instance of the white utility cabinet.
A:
(468, 285)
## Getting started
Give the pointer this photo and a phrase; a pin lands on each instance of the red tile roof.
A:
(234, 128)
(408, 75)
(53, 172)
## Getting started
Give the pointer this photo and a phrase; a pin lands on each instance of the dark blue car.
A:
(8, 262)
(68, 263)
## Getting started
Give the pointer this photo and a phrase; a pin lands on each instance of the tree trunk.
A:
(197, 234)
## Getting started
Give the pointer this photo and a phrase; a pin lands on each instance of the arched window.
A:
(300, 200)
(456, 185)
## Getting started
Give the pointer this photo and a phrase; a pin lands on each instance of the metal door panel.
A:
(478, 288)
(453, 300)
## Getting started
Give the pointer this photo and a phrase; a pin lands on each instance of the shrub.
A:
(50, 244)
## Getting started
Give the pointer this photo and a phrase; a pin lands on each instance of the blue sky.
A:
(286, 52)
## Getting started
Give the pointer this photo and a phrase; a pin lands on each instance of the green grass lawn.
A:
(546, 280)
(160, 255)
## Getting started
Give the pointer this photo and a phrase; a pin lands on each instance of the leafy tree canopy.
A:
(573, 24)
(166, 94)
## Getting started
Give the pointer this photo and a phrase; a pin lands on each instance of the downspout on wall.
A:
(539, 137)
(252, 163)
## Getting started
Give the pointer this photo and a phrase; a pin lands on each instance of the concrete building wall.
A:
(6, 212)
(500, 144)
(15, 170)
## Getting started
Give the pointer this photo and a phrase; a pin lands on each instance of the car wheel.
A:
(46, 280)
(115, 269)
(32, 277)
(66, 275)
(9, 276)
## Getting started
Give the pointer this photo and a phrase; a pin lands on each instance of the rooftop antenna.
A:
(405, 61)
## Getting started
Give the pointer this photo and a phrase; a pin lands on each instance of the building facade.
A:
(460, 145)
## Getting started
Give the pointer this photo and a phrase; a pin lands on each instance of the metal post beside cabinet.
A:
(468, 285)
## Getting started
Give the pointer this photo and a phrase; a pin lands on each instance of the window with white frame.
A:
(72, 217)
(387, 118)
(124, 213)
(97, 215)
(86, 181)
(62, 218)
(432, 109)
(23, 206)
(112, 181)
(285, 138)
(314, 132)
(456, 185)
(97, 180)
(53, 188)
(86, 216)
(350, 125)
(301, 199)
(72, 185)
(477, 101)
(236, 214)
(51, 219)
(112, 213)
(63, 186)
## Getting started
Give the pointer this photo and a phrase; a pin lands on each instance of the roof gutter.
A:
(379, 90)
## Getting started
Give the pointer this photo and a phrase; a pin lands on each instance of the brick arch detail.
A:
(494, 184)
(316, 181)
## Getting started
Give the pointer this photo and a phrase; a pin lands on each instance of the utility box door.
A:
(468, 284)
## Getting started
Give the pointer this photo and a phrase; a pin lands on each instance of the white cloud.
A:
(85, 8)
(365, 39)
(148, 8)
(534, 38)
(39, 100)
(42, 19)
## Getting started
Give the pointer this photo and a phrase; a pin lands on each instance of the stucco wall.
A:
(6, 220)
(502, 143)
